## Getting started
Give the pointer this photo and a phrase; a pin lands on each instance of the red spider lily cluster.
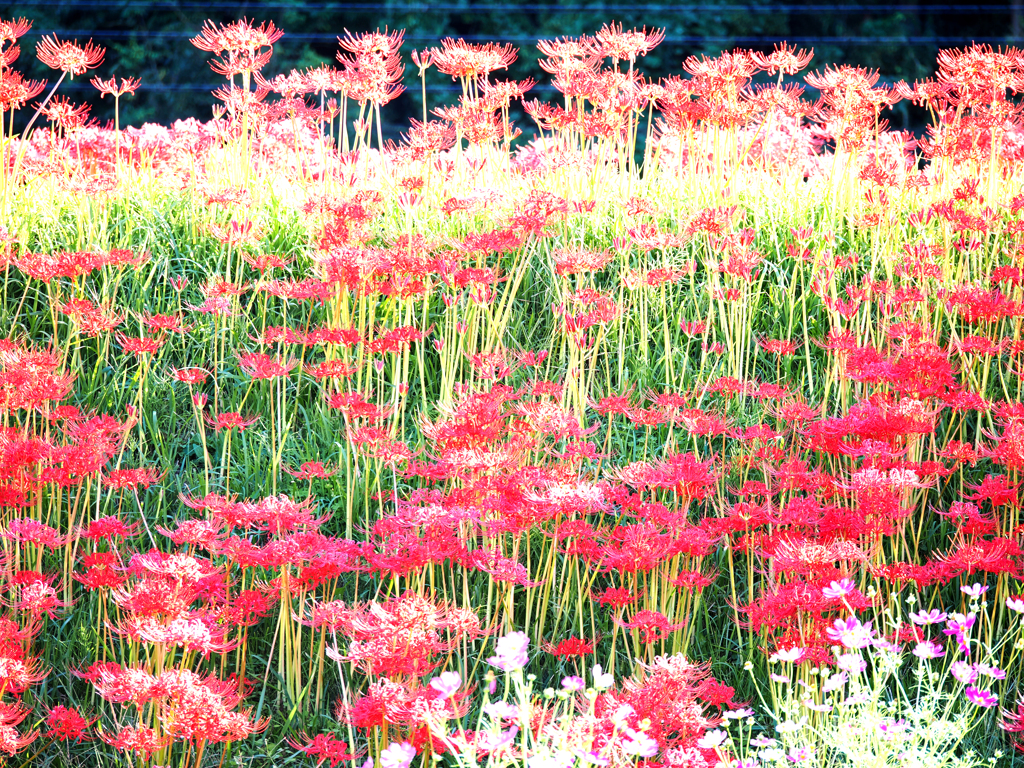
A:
(380, 402)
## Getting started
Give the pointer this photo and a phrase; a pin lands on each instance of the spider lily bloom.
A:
(653, 626)
(111, 88)
(67, 724)
(242, 43)
(230, 420)
(323, 746)
(12, 742)
(108, 528)
(172, 323)
(471, 62)
(39, 598)
(619, 45)
(373, 72)
(141, 345)
(141, 740)
(28, 530)
(571, 646)
(784, 59)
(67, 57)
(311, 469)
(17, 675)
(190, 376)
(261, 366)
(141, 477)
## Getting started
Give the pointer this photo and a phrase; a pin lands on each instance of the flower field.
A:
(684, 431)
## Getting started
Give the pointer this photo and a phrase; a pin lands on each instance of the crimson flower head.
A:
(143, 741)
(190, 375)
(231, 420)
(11, 742)
(465, 60)
(626, 45)
(324, 747)
(11, 30)
(261, 366)
(70, 58)
(783, 59)
(571, 646)
(65, 115)
(310, 469)
(109, 528)
(138, 477)
(67, 724)
(140, 345)
(110, 87)
(237, 37)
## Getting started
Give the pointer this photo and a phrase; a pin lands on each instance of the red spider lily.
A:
(404, 635)
(19, 674)
(622, 45)
(141, 477)
(37, 599)
(653, 626)
(67, 724)
(669, 694)
(141, 345)
(47, 267)
(109, 528)
(102, 571)
(261, 366)
(279, 514)
(68, 57)
(12, 742)
(783, 59)
(310, 469)
(571, 646)
(230, 420)
(236, 37)
(465, 60)
(373, 72)
(141, 740)
(190, 375)
(13, 713)
(323, 746)
(265, 261)
(111, 88)
(28, 530)
(11, 30)
(995, 489)
(1013, 722)
(16, 91)
(778, 347)
(205, 533)
(238, 233)
(172, 323)
(249, 606)
(616, 597)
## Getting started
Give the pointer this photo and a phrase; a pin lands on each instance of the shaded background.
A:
(151, 40)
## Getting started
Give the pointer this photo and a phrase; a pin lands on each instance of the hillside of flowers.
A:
(679, 426)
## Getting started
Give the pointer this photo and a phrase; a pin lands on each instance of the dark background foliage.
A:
(151, 39)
